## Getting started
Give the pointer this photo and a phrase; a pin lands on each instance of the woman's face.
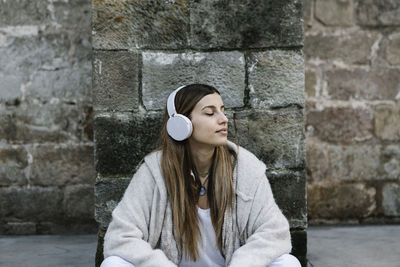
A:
(210, 125)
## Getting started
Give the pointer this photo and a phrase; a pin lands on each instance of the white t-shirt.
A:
(209, 254)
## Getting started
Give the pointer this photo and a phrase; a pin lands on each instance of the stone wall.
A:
(352, 51)
(46, 138)
(250, 50)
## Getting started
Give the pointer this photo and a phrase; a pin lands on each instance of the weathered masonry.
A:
(46, 139)
(352, 51)
(250, 50)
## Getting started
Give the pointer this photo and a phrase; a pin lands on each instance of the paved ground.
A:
(377, 246)
(47, 250)
(327, 247)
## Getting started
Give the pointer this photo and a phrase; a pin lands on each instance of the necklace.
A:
(203, 190)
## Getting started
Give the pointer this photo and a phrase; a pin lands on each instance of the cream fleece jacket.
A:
(255, 232)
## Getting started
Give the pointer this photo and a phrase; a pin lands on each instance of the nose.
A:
(223, 119)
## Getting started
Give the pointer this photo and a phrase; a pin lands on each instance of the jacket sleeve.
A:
(128, 231)
(268, 231)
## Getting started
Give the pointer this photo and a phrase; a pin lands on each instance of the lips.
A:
(223, 131)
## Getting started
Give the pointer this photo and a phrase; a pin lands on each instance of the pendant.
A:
(202, 191)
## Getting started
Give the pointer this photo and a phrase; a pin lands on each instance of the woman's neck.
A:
(202, 157)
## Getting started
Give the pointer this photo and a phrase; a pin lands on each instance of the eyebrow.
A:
(213, 107)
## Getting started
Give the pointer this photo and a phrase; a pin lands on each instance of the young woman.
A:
(199, 200)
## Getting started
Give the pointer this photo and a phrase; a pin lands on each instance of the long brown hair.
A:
(183, 190)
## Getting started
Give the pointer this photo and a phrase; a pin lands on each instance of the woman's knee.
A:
(115, 261)
(286, 260)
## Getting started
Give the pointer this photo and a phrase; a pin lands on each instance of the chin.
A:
(211, 142)
(222, 142)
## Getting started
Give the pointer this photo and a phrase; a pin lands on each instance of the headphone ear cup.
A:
(179, 127)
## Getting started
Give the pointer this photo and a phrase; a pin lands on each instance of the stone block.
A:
(390, 162)
(67, 226)
(65, 14)
(24, 12)
(317, 159)
(14, 161)
(276, 137)
(63, 164)
(366, 162)
(276, 78)
(108, 193)
(164, 72)
(352, 49)
(72, 14)
(68, 84)
(87, 124)
(246, 24)
(375, 84)
(387, 122)
(326, 162)
(12, 81)
(140, 24)
(391, 200)
(356, 162)
(378, 12)
(299, 245)
(20, 228)
(308, 11)
(337, 124)
(35, 122)
(289, 190)
(393, 49)
(17, 67)
(122, 140)
(335, 12)
(32, 204)
(78, 202)
(115, 80)
(45, 66)
(340, 201)
(100, 247)
(310, 82)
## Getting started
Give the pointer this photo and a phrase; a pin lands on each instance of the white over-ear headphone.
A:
(179, 127)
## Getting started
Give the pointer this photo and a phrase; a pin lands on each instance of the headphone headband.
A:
(171, 102)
